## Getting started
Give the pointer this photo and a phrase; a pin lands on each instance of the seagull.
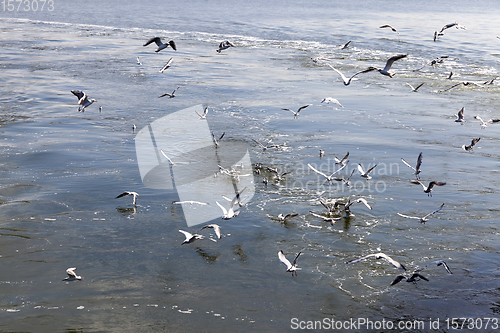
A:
(167, 65)
(332, 209)
(277, 174)
(296, 114)
(388, 26)
(346, 80)
(449, 76)
(191, 237)
(160, 45)
(422, 219)
(327, 100)
(417, 168)
(483, 123)
(264, 148)
(472, 144)
(343, 161)
(100, 108)
(489, 81)
(224, 45)
(139, 62)
(216, 141)
(347, 206)
(83, 100)
(290, 267)
(379, 255)
(320, 58)
(172, 95)
(134, 194)
(438, 263)
(216, 228)
(344, 46)
(283, 218)
(328, 178)
(191, 202)
(230, 213)
(169, 160)
(321, 152)
(415, 89)
(72, 275)
(460, 116)
(347, 180)
(413, 278)
(367, 173)
(456, 25)
(428, 189)
(133, 128)
(332, 220)
(436, 61)
(385, 70)
(465, 83)
(204, 115)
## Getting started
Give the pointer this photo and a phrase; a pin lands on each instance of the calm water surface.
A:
(61, 169)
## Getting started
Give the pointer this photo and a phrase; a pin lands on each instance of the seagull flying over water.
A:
(290, 267)
(436, 61)
(139, 62)
(230, 213)
(347, 206)
(83, 100)
(465, 83)
(169, 160)
(216, 228)
(72, 275)
(296, 114)
(388, 65)
(264, 148)
(327, 100)
(417, 167)
(172, 95)
(415, 89)
(283, 218)
(460, 116)
(422, 219)
(167, 65)
(216, 141)
(483, 123)
(328, 178)
(192, 237)
(428, 189)
(472, 144)
(346, 80)
(379, 255)
(367, 173)
(413, 278)
(388, 26)
(343, 161)
(133, 194)
(204, 115)
(224, 45)
(160, 45)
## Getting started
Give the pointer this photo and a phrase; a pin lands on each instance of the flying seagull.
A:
(296, 114)
(328, 178)
(264, 148)
(347, 180)
(204, 115)
(160, 45)
(385, 70)
(277, 175)
(172, 95)
(347, 81)
(451, 25)
(379, 255)
(437, 263)
(327, 100)
(367, 173)
(224, 45)
(167, 65)
(415, 89)
(460, 116)
(344, 46)
(343, 161)
(390, 27)
(192, 237)
(139, 62)
(347, 206)
(422, 219)
(465, 83)
(483, 123)
(417, 167)
(72, 275)
(216, 141)
(83, 100)
(230, 213)
(428, 189)
(290, 267)
(413, 278)
(283, 218)
(472, 144)
(134, 194)
(216, 228)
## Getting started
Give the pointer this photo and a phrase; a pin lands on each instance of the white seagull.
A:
(422, 219)
(72, 275)
(139, 62)
(379, 255)
(367, 173)
(342, 161)
(296, 114)
(347, 206)
(172, 95)
(328, 178)
(216, 228)
(417, 167)
(483, 123)
(460, 116)
(428, 189)
(204, 115)
(167, 65)
(83, 100)
(472, 144)
(347, 81)
(216, 141)
(283, 218)
(126, 193)
(388, 65)
(230, 213)
(390, 27)
(192, 237)
(415, 89)
(290, 267)
(160, 45)
(224, 45)
(327, 100)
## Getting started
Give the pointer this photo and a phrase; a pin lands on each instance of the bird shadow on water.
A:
(210, 258)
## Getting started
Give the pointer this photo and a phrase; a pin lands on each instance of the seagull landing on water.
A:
(160, 45)
(367, 173)
(278, 176)
(83, 100)
(296, 114)
(216, 228)
(347, 206)
(460, 116)
(204, 115)
(388, 65)
(283, 218)
(379, 255)
(133, 194)
(328, 178)
(224, 45)
(413, 278)
(483, 123)
(72, 275)
(327, 100)
(415, 89)
(172, 95)
(428, 189)
(472, 144)
(422, 219)
(417, 167)
(347, 81)
(290, 267)
(230, 213)
(167, 65)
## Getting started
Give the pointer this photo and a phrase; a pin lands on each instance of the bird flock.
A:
(335, 209)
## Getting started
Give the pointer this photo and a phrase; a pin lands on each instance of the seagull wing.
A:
(363, 200)
(434, 212)
(398, 279)
(337, 171)
(407, 164)
(360, 169)
(154, 39)
(418, 182)
(409, 217)
(419, 162)
(224, 211)
(391, 261)
(345, 79)
(388, 26)
(453, 86)
(303, 107)
(172, 45)
(169, 160)
(362, 258)
(431, 184)
(392, 60)
(71, 272)
(418, 87)
(260, 144)
(124, 194)
(187, 234)
(284, 260)
(295, 259)
(344, 158)
(317, 171)
(78, 94)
